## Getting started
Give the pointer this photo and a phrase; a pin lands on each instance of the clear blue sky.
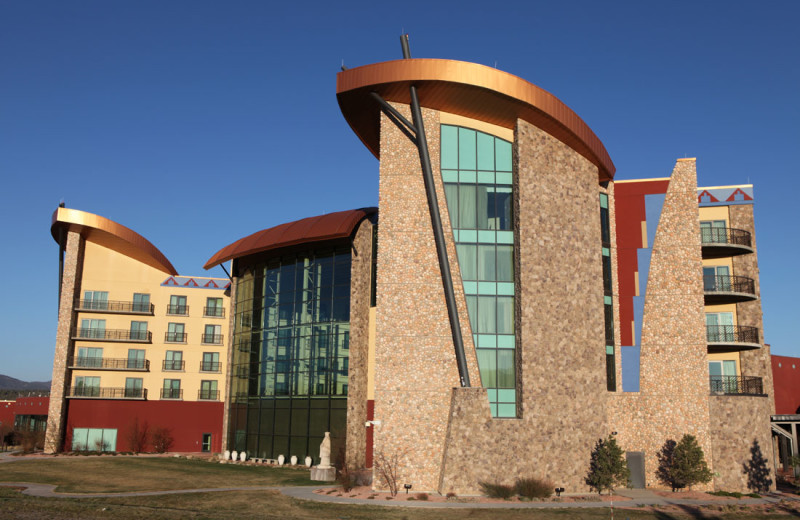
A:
(196, 123)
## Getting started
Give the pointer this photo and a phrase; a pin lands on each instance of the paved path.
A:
(639, 498)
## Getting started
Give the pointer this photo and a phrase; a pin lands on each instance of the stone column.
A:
(226, 413)
(70, 291)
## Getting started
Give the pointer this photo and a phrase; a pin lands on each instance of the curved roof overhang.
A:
(108, 233)
(322, 228)
(465, 89)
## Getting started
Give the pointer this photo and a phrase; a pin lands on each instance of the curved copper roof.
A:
(108, 233)
(312, 229)
(465, 89)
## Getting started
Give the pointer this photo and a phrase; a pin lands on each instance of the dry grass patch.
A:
(120, 474)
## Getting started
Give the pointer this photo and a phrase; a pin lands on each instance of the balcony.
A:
(208, 395)
(210, 366)
(118, 335)
(171, 365)
(213, 312)
(178, 310)
(174, 337)
(212, 339)
(731, 338)
(728, 289)
(722, 242)
(736, 385)
(95, 363)
(115, 307)
(171, 393)
(97, 392)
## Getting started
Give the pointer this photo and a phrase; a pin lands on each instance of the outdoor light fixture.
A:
(613, 433)
(559, 491)
(407, 486)
(372, 423)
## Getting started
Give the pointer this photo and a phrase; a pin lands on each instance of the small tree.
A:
(689, 464)
(137, 436)
(607, 466)
(666, 461)
(5, 434)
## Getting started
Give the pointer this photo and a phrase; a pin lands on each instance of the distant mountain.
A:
(9, 383)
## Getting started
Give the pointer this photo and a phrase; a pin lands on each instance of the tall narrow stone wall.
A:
(360, 276)
(70, 291)
(560, 332)
(231, 373)
(673, 396)
(415, 364)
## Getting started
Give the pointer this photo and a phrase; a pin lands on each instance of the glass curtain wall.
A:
(291, 345)
(476, 170)
(605, 232)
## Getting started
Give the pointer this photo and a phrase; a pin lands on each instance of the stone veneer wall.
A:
(560, 332)
(70, 291)
(360, 276)
(674, 388)
(753, 362)
(415, 365)
(738, 423)
(612, 216)
(226, 413)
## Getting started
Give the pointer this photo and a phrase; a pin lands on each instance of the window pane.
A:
(468, 261)
(488, 367)
(466, 207)
(466, 149)
(505, 315)
(486, 263)
(505, 369)
(505, 263)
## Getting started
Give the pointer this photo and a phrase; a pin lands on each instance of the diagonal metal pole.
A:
(438, 232)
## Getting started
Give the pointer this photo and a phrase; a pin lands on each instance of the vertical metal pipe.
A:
(438, 232)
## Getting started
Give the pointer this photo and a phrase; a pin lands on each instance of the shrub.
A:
(533, 488)
(387, 468)
(422, 496)
(607, 467)
(344, 478)
(162, 439)
(494, 490)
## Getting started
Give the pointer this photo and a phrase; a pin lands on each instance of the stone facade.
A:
(70, 291)
(673, 396)
(739, 426)
(415, 365)
(560, 333)
(229, 377)
(360, 294)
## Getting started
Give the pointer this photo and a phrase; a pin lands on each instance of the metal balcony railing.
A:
(210, 366)
(171, 393)
(115, 306)
(726, 235)
(97, 363)
(208, 395)
(736, 385)
(731, 334)
(175, 337)
(729, 283)
(178, 310)
(99, 392)
(214, 312)
(172, 365)
(144, 336)
(212, 339)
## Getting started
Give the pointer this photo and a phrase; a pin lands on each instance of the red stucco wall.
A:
(187, 420)
(786, 380)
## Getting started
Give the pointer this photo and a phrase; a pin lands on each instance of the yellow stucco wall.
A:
(121, 276)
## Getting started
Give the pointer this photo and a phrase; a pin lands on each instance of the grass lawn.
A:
(243, 505)
(117, 474)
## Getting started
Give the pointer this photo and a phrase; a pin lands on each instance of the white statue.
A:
(308, 461)
(243, 456)
(234, 455)
(281, 458)
(227, 455)
(325, 452)
(294, 460)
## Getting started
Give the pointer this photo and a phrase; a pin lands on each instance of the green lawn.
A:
(116, 474)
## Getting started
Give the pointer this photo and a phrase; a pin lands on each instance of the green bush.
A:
(607, 466)
(494, 490)
(533, 488)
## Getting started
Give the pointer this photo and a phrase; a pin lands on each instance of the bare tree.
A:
(388, 468)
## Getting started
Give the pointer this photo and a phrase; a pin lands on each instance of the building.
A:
(137, 346)
(786, 421)
(522, 303)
